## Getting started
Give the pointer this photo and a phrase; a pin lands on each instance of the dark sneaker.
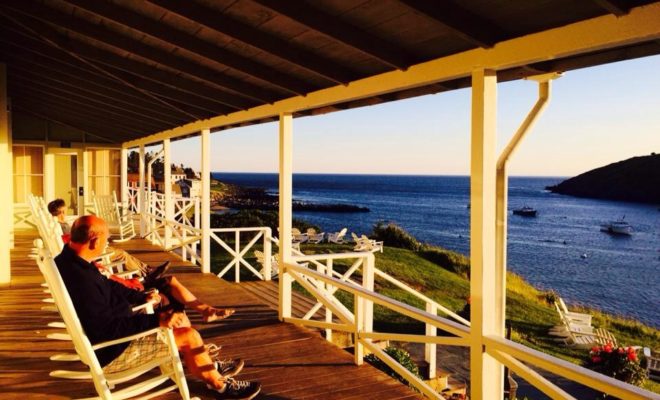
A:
(154, 273)
(229, 368)
(243, 390)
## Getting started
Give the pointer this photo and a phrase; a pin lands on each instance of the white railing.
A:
(185, 238)
(132, 201)
(238, 251)
(323, 281)
(517, 357)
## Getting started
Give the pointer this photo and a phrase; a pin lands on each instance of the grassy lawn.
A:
(528, 312)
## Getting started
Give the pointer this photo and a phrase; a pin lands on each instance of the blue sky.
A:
(596, 116)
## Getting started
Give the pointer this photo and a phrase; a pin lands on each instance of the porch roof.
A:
(121, 71)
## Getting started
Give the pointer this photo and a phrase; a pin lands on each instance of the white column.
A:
(124, 177)
(486, 374)
(167, 191)
(142, 193)
(286, 213)
(206, 201)
(7, 195)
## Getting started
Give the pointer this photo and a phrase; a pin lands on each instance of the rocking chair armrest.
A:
(126, 338)
(148, 307)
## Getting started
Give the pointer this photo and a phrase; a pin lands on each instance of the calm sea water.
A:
(561, 249)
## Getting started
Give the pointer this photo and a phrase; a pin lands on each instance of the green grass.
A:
(528, 312)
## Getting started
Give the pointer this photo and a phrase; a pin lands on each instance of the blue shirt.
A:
(103, 306)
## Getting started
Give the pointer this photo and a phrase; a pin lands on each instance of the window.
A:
(28, 171)
(104, 171)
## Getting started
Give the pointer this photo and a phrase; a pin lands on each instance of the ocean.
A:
(561, 249)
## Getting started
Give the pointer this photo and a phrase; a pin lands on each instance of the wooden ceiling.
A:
(124, 69)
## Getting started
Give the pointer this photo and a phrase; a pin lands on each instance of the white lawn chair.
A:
(581, 318)
(261, 259)
(119, 222)
(567, 326)
(599, 337)
(337, 237)
(363, 243)
(154, 383)
(314, 237)
(297, 236)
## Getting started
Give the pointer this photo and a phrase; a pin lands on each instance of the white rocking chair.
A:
(170, 365)
(108, 208)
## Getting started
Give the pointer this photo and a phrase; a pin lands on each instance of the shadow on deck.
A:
(291, 362)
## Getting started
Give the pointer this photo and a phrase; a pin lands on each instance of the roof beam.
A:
(82, 92)
(616, 7)
(143, 71)
(68, 71)
(342, 32)
(471, 27)
(41, 17)
(193, 44)
(73, 104)
(52, 113)
(247, 34)
(596, 34)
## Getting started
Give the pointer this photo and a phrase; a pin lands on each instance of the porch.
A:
(290, 361)
(89, 81)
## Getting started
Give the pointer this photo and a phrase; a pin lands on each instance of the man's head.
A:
(89, 236)
(57, 208)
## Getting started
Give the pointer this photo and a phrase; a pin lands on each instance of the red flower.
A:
(595, 349)
(621, 350)
(632, 356)
(607, 348)
(596, 359)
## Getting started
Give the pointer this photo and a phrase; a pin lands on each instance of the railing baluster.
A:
(328, 313)
(430, 354)
(237, 247)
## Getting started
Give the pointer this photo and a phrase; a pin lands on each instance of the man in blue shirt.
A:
(104, 309)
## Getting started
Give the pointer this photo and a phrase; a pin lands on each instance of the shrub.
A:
(251, 218)
(448, 260)
(401, 356)
(393, 235)
(619, 363)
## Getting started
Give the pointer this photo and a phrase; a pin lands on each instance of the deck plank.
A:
(291, 362)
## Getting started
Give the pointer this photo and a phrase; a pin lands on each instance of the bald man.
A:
(104, 309)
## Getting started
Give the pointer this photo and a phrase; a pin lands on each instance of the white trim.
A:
(600, 33)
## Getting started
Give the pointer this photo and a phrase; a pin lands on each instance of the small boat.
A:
(618, 227)
(525, 211)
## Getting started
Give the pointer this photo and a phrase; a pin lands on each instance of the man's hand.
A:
(174, 320)
(154, 298)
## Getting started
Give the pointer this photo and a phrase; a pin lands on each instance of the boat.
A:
(525, 211)
(618, 227)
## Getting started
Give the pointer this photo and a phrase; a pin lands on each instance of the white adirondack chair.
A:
(314, 237)
(154, 383)
(297, 236)
(337, 237)
(363, 243)
(120, 223)
(582, 318)
(261, 259)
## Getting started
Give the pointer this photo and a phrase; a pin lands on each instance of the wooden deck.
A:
(291, 362)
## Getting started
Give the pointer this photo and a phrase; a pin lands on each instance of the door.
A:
(66, 181)
(64, 178)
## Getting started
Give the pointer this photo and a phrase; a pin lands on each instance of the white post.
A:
(237, 259)
(167, 191)
(268, 254)
(206, 201)
(6, 172)
(124, 178)
(329, 288)
(486, 374)
(286, 213)
(193, 257)
(364, 309)
(430, 349)
(142, 193)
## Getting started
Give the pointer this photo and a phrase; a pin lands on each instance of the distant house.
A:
(178, 175)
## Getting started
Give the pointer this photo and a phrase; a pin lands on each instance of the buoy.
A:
(584, 255)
